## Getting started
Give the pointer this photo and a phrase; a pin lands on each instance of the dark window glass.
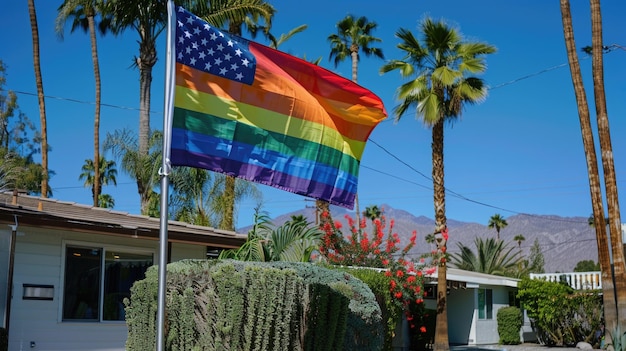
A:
(121, 271)
(485, 304)
(81, 291)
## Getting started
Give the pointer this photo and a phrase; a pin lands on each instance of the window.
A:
(97, 280)
(485, 304)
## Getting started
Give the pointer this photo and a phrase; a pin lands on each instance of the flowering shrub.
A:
(379, 249)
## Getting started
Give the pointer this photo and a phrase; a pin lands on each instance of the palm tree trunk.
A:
(227, 221)
(606, 152)
(40, 95)
(355, 61)
(145, 81)
(608, 296)
(439, 191)
(96, 124)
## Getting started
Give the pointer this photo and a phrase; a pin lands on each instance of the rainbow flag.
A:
(252, 112)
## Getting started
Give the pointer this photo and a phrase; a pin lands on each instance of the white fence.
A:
(577, 280)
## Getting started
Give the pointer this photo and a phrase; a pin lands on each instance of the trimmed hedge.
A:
(236, 305)
(510, 322)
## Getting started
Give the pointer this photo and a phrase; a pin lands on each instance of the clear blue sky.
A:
(520, 151)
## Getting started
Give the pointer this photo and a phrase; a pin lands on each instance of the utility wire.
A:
(607, 49)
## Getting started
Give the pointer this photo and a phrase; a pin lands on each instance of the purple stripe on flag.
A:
(308, 187)
(255, 154)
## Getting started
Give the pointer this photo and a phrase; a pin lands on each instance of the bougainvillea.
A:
(380, 248)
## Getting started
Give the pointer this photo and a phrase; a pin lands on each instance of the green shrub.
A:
(510, 322)
(326, 319)
(559, 315)
(390, 313)
(364, 329)
(236, 305)
(206, 309)
(4, 340)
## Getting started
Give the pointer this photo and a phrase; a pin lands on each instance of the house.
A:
(72, 265)
(473, 302)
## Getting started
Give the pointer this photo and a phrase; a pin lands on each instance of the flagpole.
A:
(164, 173)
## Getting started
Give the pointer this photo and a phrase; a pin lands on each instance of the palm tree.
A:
(106, 201)
(275, 43)
(235, 14)
(491, 257)
(353, 37)
(441, 72)
(198, 196)
(83, 13)
(608, 166)
(519, 238)
(143, 168)
(294, 241)
(107, 175)
(609, 295)
(372, 212)
(41, 98)
(497, 222)
(148, 18)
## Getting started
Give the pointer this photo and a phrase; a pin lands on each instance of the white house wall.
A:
(38, 260)
(460, 315)
(487, 329)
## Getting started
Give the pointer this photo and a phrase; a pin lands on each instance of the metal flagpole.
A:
(165, 171)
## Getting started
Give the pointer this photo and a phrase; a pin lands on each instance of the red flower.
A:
(399, 274)
(423, 329)
(444, 232)
(399, 295)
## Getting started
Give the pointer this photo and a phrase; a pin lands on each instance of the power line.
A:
(607, 49)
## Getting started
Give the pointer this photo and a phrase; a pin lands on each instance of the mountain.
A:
(564, 241)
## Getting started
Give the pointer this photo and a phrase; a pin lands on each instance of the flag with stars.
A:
(249, 111)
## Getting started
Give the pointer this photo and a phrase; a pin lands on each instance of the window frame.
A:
(104, 249)
(487, 308)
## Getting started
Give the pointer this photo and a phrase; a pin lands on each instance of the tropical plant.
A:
(441, 81)
(107, 176)
(124, 146)
(286, 36)
(294, 241)
(248, 15)
(354, 35)
(45, 174)
(519, 238)
(614, 294)
(83, 13)
(380, 249)
(372, 212)
(497, 222)
(106, 201)
(198, 196)
(491, 257)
